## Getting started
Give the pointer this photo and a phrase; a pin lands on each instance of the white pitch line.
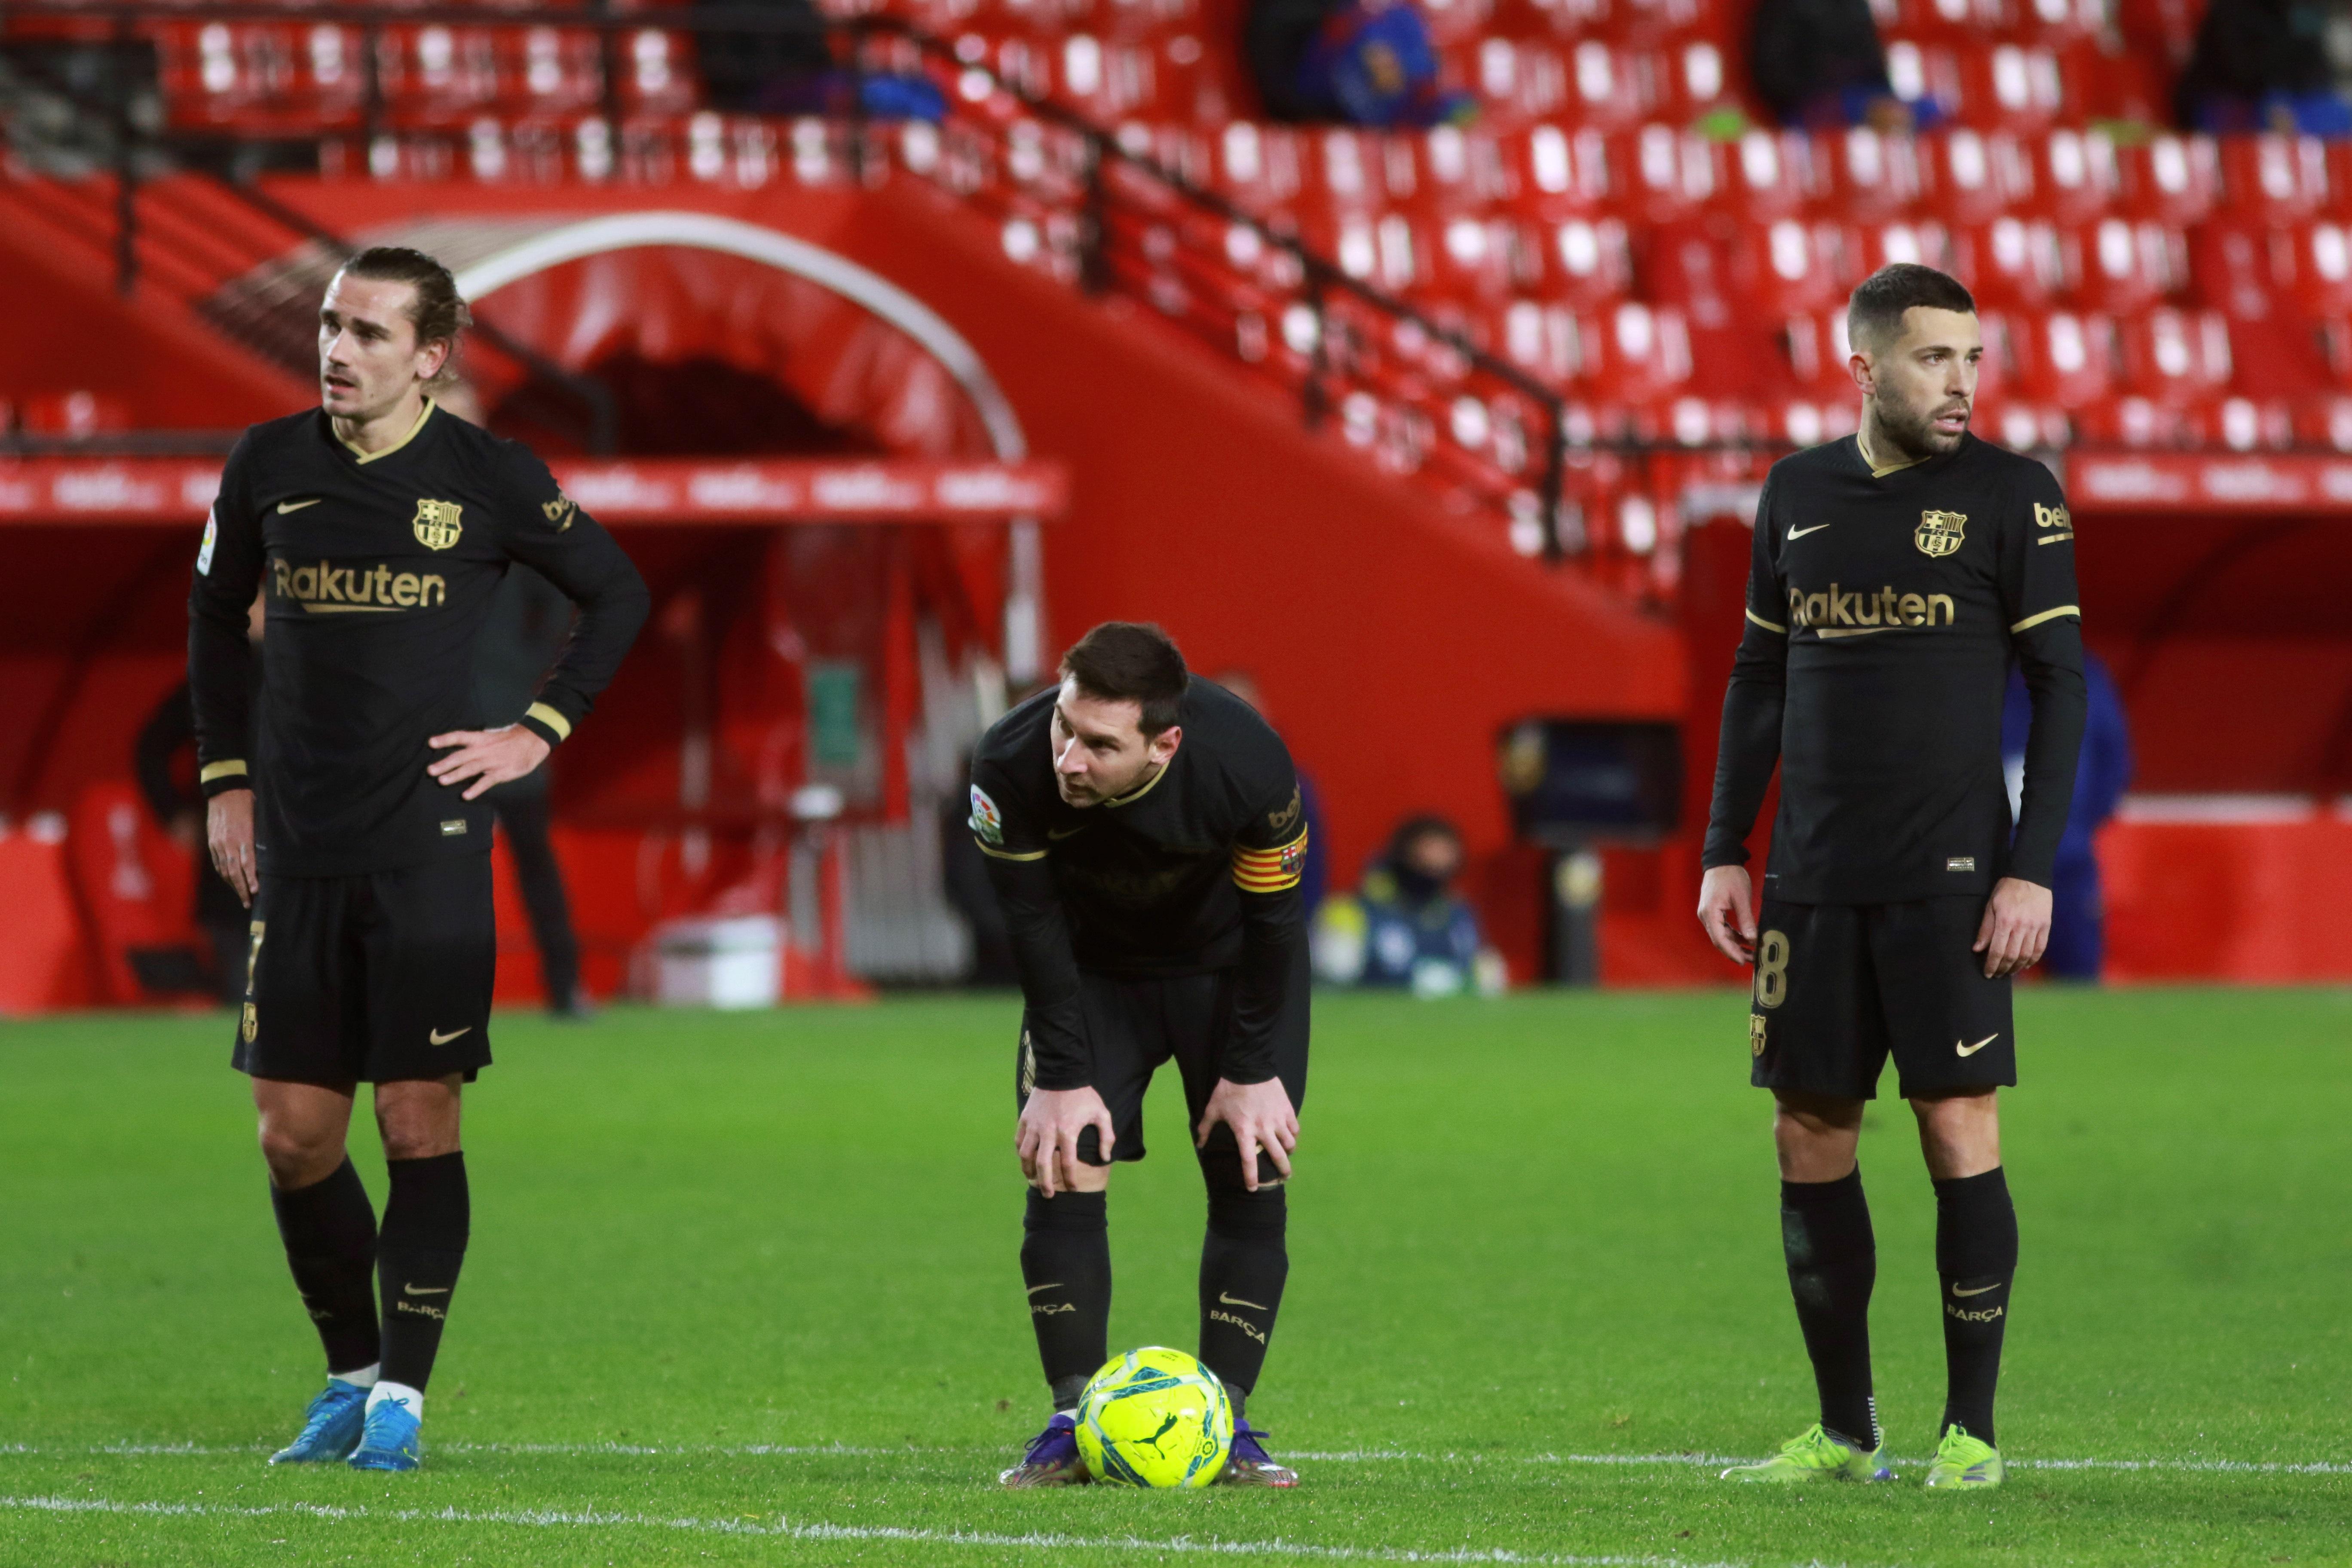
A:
(1349, 1456)
(784, 1529)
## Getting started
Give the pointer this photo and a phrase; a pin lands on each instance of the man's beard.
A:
(1914, 437)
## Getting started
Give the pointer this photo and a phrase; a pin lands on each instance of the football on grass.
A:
(1155, 1418)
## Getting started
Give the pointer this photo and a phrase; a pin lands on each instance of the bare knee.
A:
(417, 1120)
(1960, 1134)
(298, 1155)
(1815, 1135)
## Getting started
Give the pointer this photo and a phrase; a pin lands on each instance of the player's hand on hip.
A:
(1046, 1137)
(2015, 928)
(1262, 1118)
(488, 757)
(228, 834)
(1727, 909)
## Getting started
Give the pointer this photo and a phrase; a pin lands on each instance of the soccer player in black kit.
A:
(1896, 575)
(1144, 832)
(375, 528)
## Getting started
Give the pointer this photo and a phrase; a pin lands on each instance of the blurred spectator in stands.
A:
(166, 760)
(963, 869)
(1350, 62)
(1316, 877)
(2263, 64)
(1406, 927)
(529, 619)
(1819, 63)
(789, 68)
(2077, 915)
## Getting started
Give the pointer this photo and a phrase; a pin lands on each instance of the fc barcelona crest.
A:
(437, 529)
(1939, 533)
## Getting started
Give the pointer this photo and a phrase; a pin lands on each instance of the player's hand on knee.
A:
(2015, 928)
(1046, 1138)
(488, 757)
(1726, 910)
(1262, 1118)
(228, 834)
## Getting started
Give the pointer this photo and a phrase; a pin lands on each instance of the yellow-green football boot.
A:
(1818, 1454)
(1963, 1462)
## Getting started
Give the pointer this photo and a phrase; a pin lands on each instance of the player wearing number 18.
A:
(1895, 574)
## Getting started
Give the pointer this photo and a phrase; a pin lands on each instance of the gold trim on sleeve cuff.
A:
(2032, 621)
(1766, 625)
(995, 854)
(231, 769)
(551, 717)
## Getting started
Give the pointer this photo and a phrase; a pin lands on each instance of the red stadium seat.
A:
(553, 70)
(2325, 421)
(2061, 359)
(1770, 174)
(2171, 179)
(2243, 423)
(2134, 421)
(1607, 87)
(1634, 354)
(2118, 267)
(2232, 265)
(1587, 261)
(1541, 339)
(2176, 357)
(1871, 176)
(1690, 78)
(1720, 271)
(2074, 176)
(2010, 263)
(1973, 177)
(1663, 172)
(1519, 83)
(1259, 167)
(74, 415)
(1554, 171)
(1924, 69)
(1449, 170)
(2057, 21)
(1869, 247)
(2011, 86)
(2273, 178)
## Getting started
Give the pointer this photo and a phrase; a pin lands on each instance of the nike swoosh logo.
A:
(1066, 832)
(1800, 532)
(1237, 1301)
(438, 1038)
(1054, 1285)
(1978, 1291)
(420, 1291)
(286, 506)
(1971, 1050)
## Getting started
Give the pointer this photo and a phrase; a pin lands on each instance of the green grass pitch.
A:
(744, 1290)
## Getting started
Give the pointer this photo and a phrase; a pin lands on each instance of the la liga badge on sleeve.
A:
(986, 820)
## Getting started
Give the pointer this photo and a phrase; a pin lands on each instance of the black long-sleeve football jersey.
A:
(1195, 871)
(1883, 607)
(376, 571)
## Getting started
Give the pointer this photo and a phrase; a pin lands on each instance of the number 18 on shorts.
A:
(1841, 987)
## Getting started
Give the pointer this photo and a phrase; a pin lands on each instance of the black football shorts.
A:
(372, 978)
(1133, 1026)
(1840, 986)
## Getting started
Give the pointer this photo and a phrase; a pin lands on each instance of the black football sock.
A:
(426, 1222)
(329, 1229)
(1065, 1263)
(1244, 1264)
(1975, 1255)
(1832, 1265)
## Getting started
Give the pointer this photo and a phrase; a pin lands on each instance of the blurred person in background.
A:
(2077, 915)
(788, 67)
(528, 621)
(1348, 62)
(2264, 65)
(1406, 927)
(1819, 63)
(168, 739)
(1315, 878)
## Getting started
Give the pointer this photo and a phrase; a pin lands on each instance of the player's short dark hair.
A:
(1130, 661)
(438, 313)
(1875, 314)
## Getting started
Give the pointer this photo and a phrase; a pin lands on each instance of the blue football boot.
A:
(1249, 1465)
(330, 1428)
(1052, 1458)
(394, 1441)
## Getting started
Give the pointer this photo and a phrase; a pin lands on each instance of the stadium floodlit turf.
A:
(743, 1290)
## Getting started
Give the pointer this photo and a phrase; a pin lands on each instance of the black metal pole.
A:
(1094, 223)
(1555, 477)
(126, 170)
(1312, 397)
